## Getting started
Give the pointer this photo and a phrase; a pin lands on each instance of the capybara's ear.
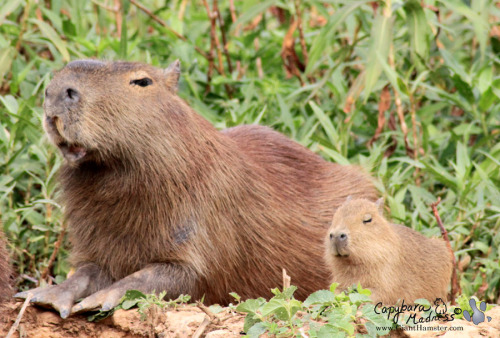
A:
(172, 74)
(380, 205)
(348, 198)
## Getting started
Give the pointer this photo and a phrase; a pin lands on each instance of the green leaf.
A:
(330, 331)
(257, 330)
(418, 28)
(463, 88)
(250, 305)
(256, 7)
(276, 307)
(320, 297)
(326, 123)
(52, 35)
(8, 7)
(380, 42)
(358, 298)
(323, 40)
(6, 57)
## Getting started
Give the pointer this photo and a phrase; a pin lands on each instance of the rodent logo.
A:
(477, 314)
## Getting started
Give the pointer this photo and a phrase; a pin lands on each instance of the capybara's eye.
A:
(144, 82)
(367, 218)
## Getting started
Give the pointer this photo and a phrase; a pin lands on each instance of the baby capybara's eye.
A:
(144, 82)
(367, 218)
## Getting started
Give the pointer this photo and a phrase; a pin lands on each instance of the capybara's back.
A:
(394, 261)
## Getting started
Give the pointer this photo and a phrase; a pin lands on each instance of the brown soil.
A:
(180, 322)
(184, 321)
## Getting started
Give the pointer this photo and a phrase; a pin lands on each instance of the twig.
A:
(106, 7)
(213, 34)
(399, 107)
(301, 33)
(211, 64)
(454, 282)
(258, 60)
(118, 17)
(201, 329)
(286, 280)
(52, 258)
(232, 9)
(164, 24)
(223, 34)
(383, 105)
(210, 314)
(19, 316)
(182, 9)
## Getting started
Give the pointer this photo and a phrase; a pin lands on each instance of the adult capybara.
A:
(394, 261)
(158, 199)
(5, 270)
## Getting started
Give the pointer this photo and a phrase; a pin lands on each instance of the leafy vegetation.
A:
(322, 314)
(408, 91)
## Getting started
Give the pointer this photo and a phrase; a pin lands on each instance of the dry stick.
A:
(52, 258)
(224, 40)
(454, 282)
(232, 9)
(118, 17)
(164, 24)
(210, 314)
(201, 329)
(286, 280)
(182, 10)
(301, 33)
(416, 146)
(211, 64)
(258, 60)
(399, 106)
(106, 7)
(19, 316)
(213, 34)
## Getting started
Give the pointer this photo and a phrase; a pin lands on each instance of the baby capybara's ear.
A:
(172, 74)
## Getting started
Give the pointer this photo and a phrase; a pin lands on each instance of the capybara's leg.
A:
(87, 279)
(175, 279)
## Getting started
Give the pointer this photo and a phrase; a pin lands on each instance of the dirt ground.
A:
(184, 321)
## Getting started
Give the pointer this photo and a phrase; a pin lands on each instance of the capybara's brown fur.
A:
(152, 189)
(5, 270)
(394, 261)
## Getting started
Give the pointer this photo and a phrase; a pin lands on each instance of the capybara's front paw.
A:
(55, 296)
(103, 300)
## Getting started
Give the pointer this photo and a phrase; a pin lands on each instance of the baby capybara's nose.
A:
(341, 240)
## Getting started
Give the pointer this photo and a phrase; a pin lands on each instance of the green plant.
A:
(323, 314)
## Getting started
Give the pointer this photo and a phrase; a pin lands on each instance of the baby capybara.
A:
(393, 261)
(157, 199)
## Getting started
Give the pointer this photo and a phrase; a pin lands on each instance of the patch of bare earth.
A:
(186, 321)
(190, 321)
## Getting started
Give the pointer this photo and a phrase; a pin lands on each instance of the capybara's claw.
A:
(104, 300)
(54, 297)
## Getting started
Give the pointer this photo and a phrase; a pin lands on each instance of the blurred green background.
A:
(409, 90)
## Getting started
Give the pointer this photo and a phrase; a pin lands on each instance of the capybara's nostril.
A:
(72, 95)
(331, 236)
(342, 236)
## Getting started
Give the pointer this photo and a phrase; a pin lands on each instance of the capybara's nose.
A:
(342, 237)
(70, 95)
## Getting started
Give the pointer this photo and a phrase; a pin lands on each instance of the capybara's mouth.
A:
(341, 252)
(72, 152)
